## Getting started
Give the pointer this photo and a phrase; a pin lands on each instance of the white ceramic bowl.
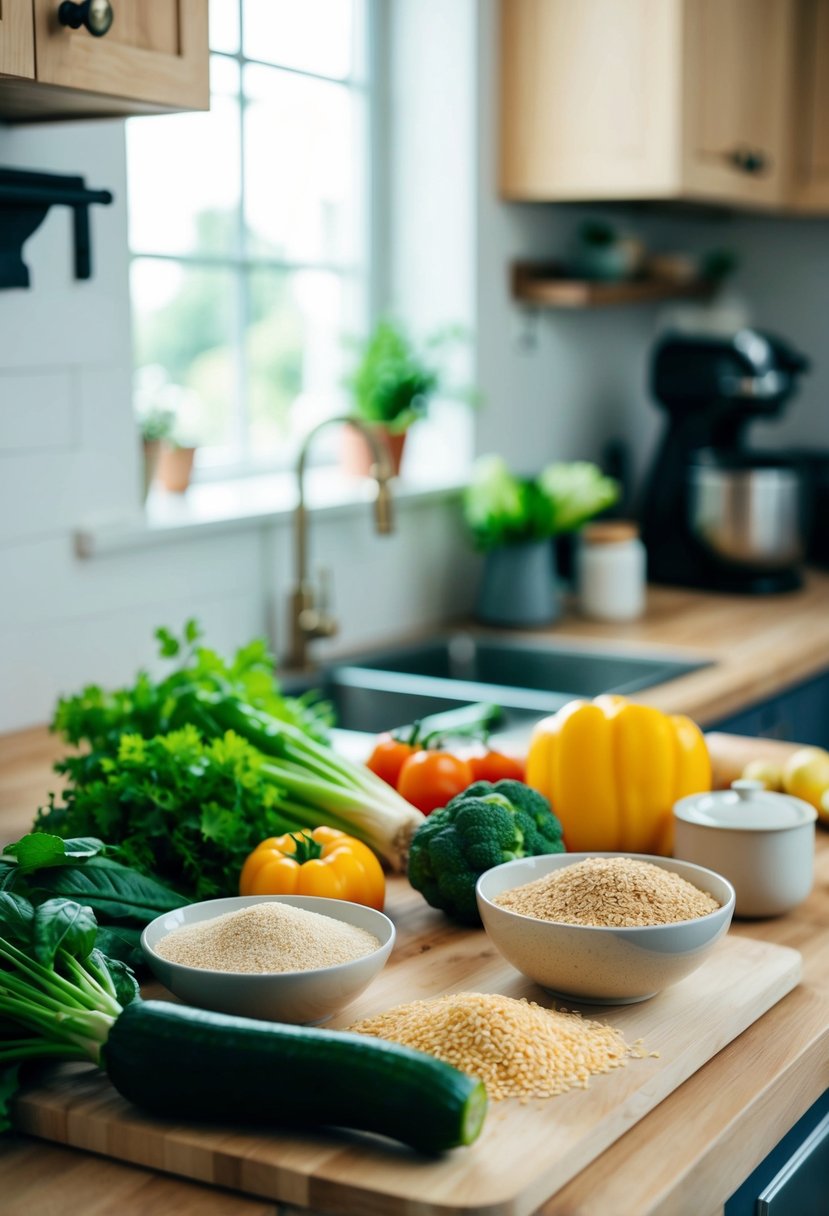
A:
(596, 965)
(762, 842)
(307, 997)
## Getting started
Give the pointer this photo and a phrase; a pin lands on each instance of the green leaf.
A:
(192, 630)
(9, 1085)
(16, 918)
(62, 923)
(168, 645)
(39, 850)
(122, 943)
(112, 890)
(123, 980)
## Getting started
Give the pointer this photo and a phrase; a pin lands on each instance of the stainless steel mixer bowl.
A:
(748, 515)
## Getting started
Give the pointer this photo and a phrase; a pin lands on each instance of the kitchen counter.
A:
(758, 645)
(690, 1153)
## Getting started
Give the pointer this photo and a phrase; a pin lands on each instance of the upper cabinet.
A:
(102, 58)
(17, 43)
(711, 100)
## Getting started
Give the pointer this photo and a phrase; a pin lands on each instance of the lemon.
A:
(767, 771)
(806, 776)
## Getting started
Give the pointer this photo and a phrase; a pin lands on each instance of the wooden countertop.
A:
(757, 645)
(686, 1157)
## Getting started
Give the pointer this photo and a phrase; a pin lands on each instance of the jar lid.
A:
(748, 807)
(610, 532)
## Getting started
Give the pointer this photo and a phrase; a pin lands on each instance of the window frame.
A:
(368, 80)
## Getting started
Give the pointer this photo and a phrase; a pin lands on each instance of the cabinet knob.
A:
(748, 160)
(96, 15)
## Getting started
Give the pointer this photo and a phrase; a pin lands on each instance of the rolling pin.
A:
(731, 753)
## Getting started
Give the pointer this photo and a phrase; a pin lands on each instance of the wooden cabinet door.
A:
(737, 77)
(589, 106)
(17, 55)
(810, 135)
(155, 53)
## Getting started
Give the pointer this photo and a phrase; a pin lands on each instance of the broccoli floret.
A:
(484, 826)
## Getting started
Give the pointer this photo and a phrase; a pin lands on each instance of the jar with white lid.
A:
(610, 575)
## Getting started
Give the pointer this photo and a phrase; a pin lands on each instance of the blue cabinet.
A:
(800, 715)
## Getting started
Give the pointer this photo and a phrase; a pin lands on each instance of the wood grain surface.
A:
(547, 1142)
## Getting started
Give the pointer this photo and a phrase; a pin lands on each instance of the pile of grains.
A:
(610, 891)
(517, 1048)
(264, 938)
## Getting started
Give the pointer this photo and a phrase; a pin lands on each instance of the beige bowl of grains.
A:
(281, 958)
(604, 928)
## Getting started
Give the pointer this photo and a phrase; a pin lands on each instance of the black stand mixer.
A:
(716, 514)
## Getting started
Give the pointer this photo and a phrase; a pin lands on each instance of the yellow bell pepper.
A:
(613, 770)
(323, 862)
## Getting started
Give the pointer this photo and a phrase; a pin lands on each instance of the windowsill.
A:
(211, 508)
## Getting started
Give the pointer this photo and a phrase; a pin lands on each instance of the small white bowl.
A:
(762, 842)
(303, 997)
(598, 965)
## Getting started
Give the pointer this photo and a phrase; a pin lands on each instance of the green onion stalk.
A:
(313, 780)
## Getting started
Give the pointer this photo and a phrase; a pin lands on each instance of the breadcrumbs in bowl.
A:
(285, 958)
(604, 928)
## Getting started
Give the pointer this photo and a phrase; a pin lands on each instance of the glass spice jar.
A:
(611, 571)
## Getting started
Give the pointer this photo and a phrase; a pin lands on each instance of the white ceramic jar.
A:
(610, 572)
(762, 842)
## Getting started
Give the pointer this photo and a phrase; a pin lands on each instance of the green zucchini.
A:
(187, 1063)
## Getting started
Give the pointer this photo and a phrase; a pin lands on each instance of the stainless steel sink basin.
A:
(560, 668)
(397, 686)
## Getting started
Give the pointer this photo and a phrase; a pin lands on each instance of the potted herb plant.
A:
(155, 425)
(391, 387)
(513, 521)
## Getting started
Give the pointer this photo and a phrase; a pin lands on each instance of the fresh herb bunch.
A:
(59, 994)
(394, 380)
(179, 807)
(502, 509)
(150, 707)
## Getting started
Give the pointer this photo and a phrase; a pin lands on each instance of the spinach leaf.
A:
(63, 924)
(16, 918)
(38, 850)
(123, 944)
(113, 973)
(113, 891)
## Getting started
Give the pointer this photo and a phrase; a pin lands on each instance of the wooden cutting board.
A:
(526, 1152)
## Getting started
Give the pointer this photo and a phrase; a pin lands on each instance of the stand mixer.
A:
(715, 513)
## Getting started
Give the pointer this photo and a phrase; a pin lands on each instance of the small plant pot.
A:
(356, 456)
(152, 452)
(175, 468)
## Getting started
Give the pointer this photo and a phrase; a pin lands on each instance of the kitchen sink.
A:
(397, 686)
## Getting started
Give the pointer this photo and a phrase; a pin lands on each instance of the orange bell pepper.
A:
(613, 770)
(323, 862)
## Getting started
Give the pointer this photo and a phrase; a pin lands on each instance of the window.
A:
(248, 232)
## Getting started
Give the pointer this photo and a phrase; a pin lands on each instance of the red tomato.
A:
(388, 758)
(428, 779)
(495, 766)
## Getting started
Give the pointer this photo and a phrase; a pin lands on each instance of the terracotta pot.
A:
(175, 466)
(356, 455)
(152, 451)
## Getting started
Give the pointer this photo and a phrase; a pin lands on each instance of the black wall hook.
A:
(25, 199)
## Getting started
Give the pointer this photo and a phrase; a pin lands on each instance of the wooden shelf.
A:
(546, 285)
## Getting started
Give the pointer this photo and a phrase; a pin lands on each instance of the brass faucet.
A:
(310, 617)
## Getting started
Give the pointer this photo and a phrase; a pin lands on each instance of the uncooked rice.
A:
(267, 937)
(517, 1048)
(609, 891)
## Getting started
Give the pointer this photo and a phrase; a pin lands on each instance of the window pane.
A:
(223, 23)
(184, 328)
(184, 174)
(302, 176)
(295, 355)
(313, 35)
